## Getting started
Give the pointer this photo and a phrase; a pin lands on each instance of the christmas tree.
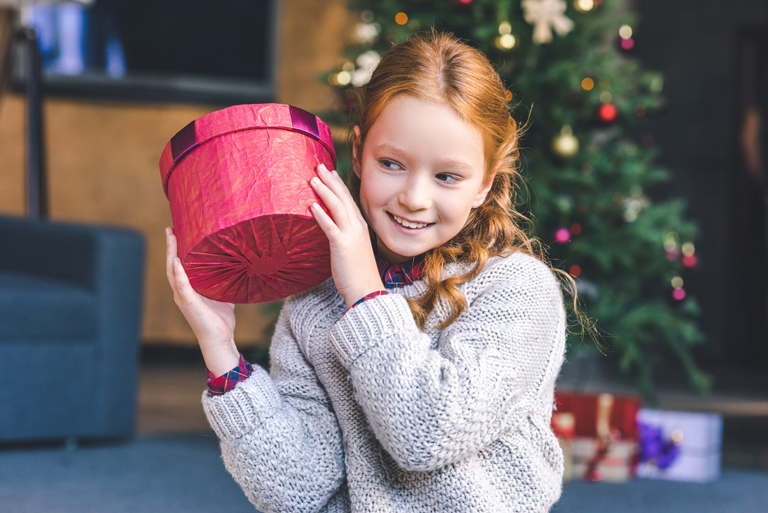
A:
(588, 167)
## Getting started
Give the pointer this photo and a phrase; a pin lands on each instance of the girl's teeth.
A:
(408, 224)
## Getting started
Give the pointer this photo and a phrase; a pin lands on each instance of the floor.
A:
(169, 403)
(174, 463)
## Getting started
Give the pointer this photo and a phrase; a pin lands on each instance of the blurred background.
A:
(645, 151)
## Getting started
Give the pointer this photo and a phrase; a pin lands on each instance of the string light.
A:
(606, 97)
(587, 84)
(401, 18)
(343, 78)
(505, 28)
(625, 32)
(575, 228)
(640, 111)
(584, 5)
(505, 42)
(575, 271)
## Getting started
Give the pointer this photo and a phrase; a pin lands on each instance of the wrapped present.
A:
(563, 424)
(679, 446)
(238, 185)
(604, 443)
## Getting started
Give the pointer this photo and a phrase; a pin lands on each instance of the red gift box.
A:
(238, 185)
(602, 439)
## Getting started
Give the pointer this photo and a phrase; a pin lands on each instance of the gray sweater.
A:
(364, 412)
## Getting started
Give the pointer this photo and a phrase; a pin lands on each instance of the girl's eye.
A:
(445, 177)
(390, 164)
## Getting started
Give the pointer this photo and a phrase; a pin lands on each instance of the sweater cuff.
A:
(235, 413)
(368, 324)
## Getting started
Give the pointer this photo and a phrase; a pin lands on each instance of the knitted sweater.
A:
(364, 412)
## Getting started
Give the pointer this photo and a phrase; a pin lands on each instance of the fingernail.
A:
(322, 167)
(335, 174)
(314, 180)
(176, 260)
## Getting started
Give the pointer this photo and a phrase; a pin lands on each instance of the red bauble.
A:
(607, 112)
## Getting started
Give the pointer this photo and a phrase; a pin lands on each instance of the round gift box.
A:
(238, 185)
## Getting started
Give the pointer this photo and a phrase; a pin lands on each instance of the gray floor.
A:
(183, 473)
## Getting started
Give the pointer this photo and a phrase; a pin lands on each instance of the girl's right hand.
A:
(213, 322)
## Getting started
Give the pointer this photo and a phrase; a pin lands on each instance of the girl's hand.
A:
(352, 261)
(213, 322)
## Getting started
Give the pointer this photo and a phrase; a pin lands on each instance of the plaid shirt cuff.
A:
(226, 382)
(366, 298)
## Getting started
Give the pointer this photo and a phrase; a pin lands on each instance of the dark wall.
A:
(695, 44)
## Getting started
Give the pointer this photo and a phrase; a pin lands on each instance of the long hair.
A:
(439, 68)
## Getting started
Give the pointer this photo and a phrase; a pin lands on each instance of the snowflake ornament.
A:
(546, 15)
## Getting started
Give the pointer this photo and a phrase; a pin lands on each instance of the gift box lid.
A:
(238, 118)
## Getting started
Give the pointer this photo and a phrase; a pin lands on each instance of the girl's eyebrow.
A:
(454, 164)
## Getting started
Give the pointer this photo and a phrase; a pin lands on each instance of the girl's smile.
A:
(422, 170)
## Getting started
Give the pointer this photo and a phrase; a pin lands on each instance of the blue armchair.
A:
(70, 308)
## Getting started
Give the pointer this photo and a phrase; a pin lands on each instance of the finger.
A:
(170, 252)
(332, 202)
(334, 182)
(324, 221)
(186, 295)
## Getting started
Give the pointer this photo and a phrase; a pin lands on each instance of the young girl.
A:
(421, 377)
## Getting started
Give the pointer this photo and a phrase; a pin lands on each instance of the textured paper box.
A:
(238, 185)
(700, 443)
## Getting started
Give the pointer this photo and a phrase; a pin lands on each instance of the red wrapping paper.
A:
(237, 181)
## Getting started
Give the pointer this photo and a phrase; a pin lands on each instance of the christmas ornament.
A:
(689, 255)
(607, 112)
(565, 145)
(546, 15)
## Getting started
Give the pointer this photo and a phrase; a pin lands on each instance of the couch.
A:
(70, 309)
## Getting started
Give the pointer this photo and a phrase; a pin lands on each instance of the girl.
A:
(421, 377)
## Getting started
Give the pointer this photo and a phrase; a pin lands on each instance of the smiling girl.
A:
(421, 377)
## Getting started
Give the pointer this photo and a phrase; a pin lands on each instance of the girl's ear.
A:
(483, 192)
(357, 151)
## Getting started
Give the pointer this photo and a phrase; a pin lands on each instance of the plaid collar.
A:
(399, 275)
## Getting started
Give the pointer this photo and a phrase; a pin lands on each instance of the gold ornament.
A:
(565, 145)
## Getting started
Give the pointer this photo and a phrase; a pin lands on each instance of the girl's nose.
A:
(416, 194)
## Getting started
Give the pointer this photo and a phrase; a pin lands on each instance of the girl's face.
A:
(422, 170)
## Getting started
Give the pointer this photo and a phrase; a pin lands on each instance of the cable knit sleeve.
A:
(279, 436)
(432, 406)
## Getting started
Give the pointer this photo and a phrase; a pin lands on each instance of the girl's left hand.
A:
(353, 263)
